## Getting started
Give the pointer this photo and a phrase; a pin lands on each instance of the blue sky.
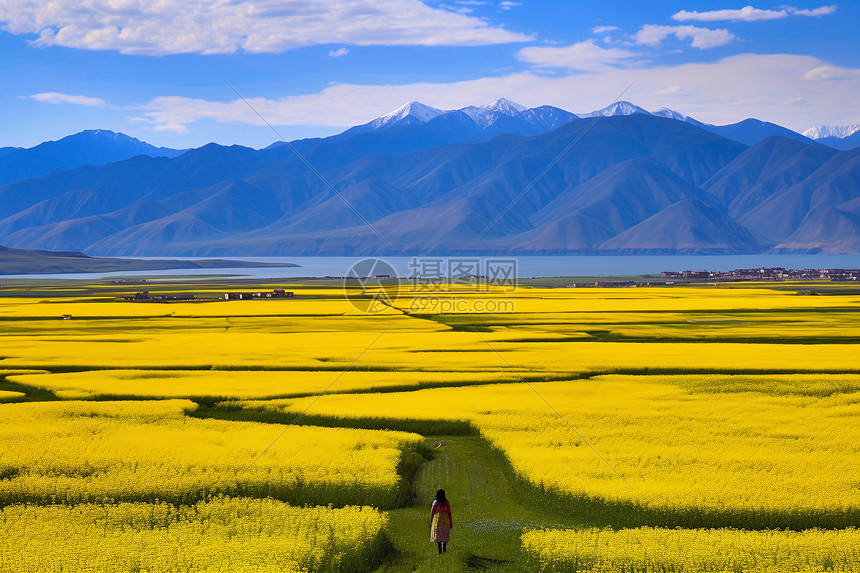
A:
(160, 70)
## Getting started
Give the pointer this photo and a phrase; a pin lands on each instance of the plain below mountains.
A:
(427, 181)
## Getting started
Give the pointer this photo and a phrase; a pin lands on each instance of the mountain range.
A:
(499, 179)
(91, 147)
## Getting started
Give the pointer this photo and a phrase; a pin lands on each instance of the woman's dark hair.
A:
(440, 496)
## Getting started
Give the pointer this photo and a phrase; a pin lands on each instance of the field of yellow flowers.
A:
(667, 428)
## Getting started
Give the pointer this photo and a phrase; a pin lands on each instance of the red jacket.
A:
(443, 507)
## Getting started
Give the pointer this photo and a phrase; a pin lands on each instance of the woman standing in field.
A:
(440, 521)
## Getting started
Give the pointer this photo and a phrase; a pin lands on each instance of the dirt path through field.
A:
(489, 515)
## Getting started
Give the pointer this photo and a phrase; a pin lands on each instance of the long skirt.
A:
(440, 529)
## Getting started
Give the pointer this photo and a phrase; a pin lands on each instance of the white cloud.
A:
(338, 53)
(585, 56)
(174, 127)
(815, 12)
(750, 14)
(745, 14)
(55, 97)
(768, 87)
(508, 5)
(220, 26)
(830, 73)
(604, 29)
(702, 38)
(670, 91)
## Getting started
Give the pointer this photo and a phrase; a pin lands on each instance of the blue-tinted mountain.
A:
(843, 143)
(631, 183)
(619, 108)
(750, 131)
(842, 137)
(468, 124)
(91, 147)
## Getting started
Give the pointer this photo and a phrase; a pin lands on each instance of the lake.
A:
(527, 266)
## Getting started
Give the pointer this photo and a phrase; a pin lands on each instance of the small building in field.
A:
(276, 293)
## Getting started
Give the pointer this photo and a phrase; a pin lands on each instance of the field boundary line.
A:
(557, 413)
(298, 416)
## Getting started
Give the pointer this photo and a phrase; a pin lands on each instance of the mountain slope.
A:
(688, 226)
(92, 147)
(842, 143)
(764, 169)
(751, 131)
(471, 123)
(628, 183)
(829, 230)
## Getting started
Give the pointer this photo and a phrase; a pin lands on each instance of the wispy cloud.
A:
(584, 56)
(56, 97)
(270, 26)
(815, 12)
(340, 52)
(670, 91)
(507, 5)
(604, 29)
(750, 14)
(702, 38)
(769, 87)
(831, 73)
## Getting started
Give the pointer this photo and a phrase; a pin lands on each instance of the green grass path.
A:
(488, 513)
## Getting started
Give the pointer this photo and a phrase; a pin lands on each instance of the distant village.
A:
(735, 275)
(764, 274)
(146, 296)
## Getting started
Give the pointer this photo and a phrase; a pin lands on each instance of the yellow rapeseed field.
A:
(222, 534)
(226, 385)
(654, 550)
(731, 411)
(73, 452)
(675, 450)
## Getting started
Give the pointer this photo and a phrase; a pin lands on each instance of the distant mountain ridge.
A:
(505, 116)
(472, 123)
(91, 147)
(634, 183)
(500, 178)
(837, 131)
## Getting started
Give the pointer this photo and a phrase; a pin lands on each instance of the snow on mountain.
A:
(837, 131)
(548, 117)
(487, 115)
(670, 113)
(617, 108)
(501, 116)
(423, 113)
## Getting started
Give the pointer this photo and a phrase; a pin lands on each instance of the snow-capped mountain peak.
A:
(617, 108)
(506, 106)
(486, 115)
(501, 116)
(837, 131)
(423, 113)
(670, 113)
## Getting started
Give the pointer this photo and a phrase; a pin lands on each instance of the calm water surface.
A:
(530, 266)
